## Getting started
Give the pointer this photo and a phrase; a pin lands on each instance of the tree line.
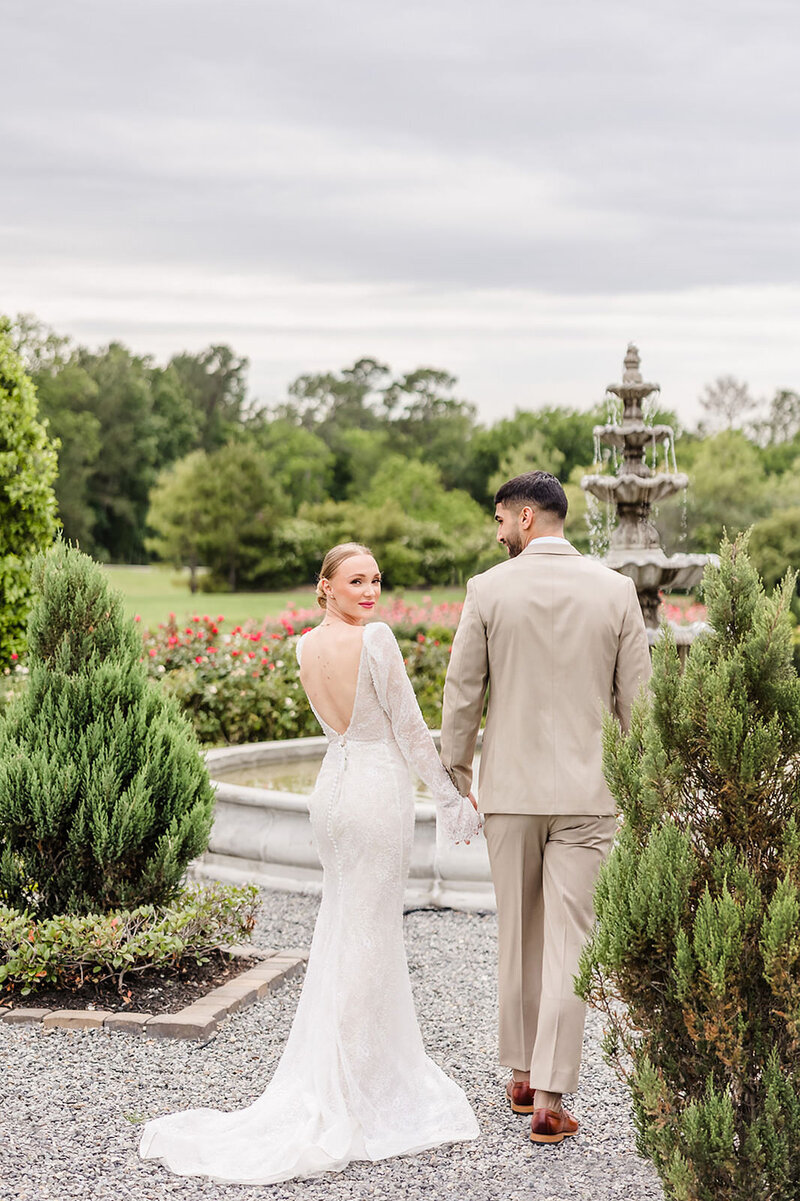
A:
(178, 462)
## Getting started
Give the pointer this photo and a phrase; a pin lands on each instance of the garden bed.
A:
(166, 989)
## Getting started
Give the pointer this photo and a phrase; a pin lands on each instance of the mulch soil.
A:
(157, 990)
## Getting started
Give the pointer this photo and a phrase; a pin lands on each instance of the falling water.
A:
(599, 525)
(650, 406)
(684, 534)
(613, 409)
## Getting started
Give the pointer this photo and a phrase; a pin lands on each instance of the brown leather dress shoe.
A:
(552, 1126)
(520, 1094)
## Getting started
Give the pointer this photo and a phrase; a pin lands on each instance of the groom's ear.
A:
(526, 517)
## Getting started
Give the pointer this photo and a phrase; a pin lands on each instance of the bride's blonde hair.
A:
(333, 561)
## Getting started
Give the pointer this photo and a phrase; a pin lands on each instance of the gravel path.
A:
(70, 1101)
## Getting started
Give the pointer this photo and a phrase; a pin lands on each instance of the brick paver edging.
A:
(198, 1020)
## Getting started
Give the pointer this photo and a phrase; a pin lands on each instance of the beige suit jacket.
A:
(557, 638)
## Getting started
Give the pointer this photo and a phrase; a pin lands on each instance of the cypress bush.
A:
(695, 960)
(104, 797)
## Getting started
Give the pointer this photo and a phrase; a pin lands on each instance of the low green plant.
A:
(67, 950)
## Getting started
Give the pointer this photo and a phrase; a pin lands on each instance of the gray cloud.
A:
(575, 150)
(570, 148)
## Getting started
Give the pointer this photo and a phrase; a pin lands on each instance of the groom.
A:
(559, 638)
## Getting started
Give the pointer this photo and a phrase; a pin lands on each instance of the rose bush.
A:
(243, 685)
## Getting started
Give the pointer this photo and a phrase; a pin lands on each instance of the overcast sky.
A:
(508, 190)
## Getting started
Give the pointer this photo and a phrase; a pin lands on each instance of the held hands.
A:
(474, 804)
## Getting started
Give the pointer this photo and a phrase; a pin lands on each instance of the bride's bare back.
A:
(349, 588)
(329, 671)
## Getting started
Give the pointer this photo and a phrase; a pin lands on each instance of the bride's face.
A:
(354, 588)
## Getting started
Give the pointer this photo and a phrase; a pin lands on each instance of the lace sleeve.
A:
(455, 813)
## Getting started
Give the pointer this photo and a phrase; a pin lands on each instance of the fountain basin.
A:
(653, 570)
(264, 834)
(634, 489)
(633, 389)
(633, 433)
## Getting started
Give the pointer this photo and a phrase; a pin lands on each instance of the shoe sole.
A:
(521, 1108)
(553, 1138)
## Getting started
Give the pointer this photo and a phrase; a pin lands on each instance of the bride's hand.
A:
(474, 804)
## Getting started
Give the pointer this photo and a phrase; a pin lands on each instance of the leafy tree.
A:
(536, 453)
(778, 435)
(695, 961)
(565, 431)
(125, 470)
(331, 400)
(108, 410)
(421, 533)
(66, 395)
(417, 488)
(65, 400)
(335, 405)
(175, 515)
(584, 528)
(775, 548)
(27, 502)
(363, 451)
(175, 420)
(429, 424)
(725, 403)
(294, 552)
(413, 412)
(40, 347)
(728, 488)
(784, 416)
(221, 510)
(215, 383)
(300, 462)
(104, 797)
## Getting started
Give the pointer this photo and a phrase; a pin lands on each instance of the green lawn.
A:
(155, 592)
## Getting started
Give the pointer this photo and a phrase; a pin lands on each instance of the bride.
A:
(354, 1081)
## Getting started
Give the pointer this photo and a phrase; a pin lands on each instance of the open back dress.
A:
(354, 1081)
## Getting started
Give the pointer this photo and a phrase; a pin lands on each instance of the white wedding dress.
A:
(354, 1081)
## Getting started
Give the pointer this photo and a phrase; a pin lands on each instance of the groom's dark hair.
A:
(537, 488)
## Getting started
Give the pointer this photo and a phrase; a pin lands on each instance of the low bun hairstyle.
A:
(333, 561)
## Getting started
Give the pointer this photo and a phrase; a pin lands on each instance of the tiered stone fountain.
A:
(635, 546)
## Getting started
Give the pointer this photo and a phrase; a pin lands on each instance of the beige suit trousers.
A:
(544, 870)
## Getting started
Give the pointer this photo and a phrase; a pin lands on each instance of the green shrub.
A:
(104, 798)
(695, 961)
(65, 951)
(28, 520)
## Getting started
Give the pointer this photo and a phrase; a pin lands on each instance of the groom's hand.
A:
(474, 802)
